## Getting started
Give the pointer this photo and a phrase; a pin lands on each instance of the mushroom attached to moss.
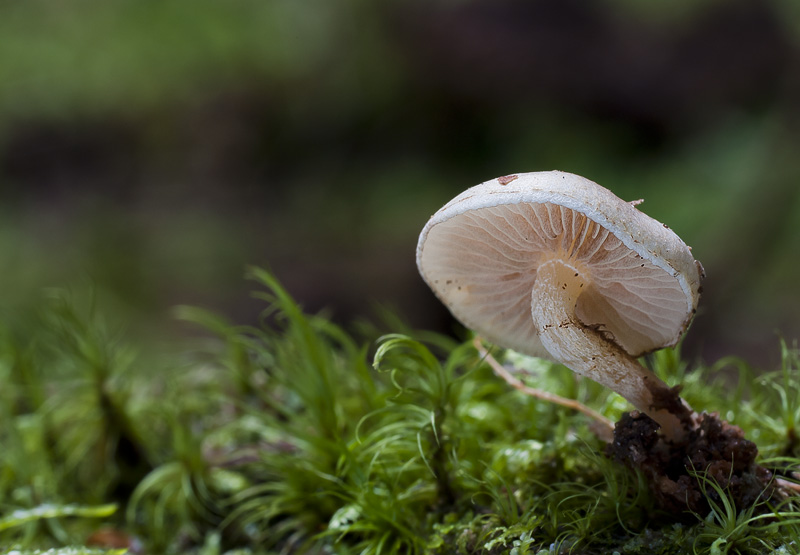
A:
(553, 265)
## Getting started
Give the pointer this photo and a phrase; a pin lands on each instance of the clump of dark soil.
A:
(711, 446)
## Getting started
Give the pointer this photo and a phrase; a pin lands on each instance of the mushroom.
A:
(553, 265)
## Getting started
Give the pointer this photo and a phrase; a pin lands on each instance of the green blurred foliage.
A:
(152, 149)
(102, 58)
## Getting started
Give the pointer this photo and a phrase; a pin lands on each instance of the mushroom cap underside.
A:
(480, 253)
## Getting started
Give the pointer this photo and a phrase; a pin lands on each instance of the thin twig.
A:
(788, 486)
(604, 428)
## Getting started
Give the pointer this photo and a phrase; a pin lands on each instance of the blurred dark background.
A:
(151, 150)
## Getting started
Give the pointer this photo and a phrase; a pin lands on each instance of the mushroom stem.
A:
(586, 351)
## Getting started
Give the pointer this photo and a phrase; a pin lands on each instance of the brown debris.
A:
(506, 179)
(670, 401)
(110, 538)
(713, 447)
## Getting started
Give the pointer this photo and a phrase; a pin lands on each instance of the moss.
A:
(301, 437)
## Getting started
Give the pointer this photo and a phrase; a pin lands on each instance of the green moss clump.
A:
(300, 437)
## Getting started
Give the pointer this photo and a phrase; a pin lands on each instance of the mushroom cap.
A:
(480, 252)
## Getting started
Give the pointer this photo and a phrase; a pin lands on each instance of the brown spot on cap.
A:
(506, 179)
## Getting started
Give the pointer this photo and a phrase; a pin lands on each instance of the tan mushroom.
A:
(554, 265)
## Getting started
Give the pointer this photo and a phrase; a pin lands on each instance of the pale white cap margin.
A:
(650, 239)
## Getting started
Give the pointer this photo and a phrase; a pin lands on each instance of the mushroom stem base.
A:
(589, 353)
(714, 447)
